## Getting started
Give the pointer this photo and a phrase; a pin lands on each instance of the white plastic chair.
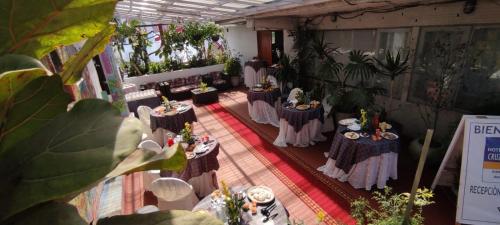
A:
(174, 193)
(293, 94)
(151, 145)
(328, 124)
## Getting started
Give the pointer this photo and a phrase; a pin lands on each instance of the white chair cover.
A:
(308, 135)
(328, 124)
(144, 115)
(253, 77)
(293, 94)
(204, 184)
(262, 112)
(374, 170)
(272, 80)
(148, 178)
(147, 209)
(174, 193)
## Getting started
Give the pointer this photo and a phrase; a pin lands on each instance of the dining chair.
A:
(151, 146)
(328, 125)
(173, 193)
(272, 80)
(144, 116)
(293, 94)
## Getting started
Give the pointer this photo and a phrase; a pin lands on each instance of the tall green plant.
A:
(48, 155)
(392, 67)
(232, 66)
(286, 71)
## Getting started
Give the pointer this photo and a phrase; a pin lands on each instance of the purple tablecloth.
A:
(173, 123)
(201, 163)
(267, 96)
(347, 152)
(151, 102)
(256, 64)
(299, 118)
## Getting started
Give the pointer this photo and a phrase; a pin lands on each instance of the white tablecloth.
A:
(308, 135)
(374, 170)
(253, 77)
(262, 112)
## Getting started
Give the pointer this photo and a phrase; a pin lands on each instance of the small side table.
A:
(207, 97)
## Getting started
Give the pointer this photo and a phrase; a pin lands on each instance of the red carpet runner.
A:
(330, 203)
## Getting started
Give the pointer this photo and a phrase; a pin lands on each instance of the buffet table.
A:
(300, 128)
(262, 105)
(362, 162)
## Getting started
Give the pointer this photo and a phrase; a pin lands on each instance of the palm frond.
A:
(360, 66)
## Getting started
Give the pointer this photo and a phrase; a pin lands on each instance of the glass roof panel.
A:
(211, 2)
(223, 9)
(236, 5)
(189, 5)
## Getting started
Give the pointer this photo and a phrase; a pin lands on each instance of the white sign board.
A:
(479, 192)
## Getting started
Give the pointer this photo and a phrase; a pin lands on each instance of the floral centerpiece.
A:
(301, 98)
(203, 87)
(234, 205)
(186, 134)
(166, 103)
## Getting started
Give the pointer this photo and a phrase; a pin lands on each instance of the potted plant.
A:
(286, 73)
(232, 67)
(391, 208)
(187, 137)
(444, 64)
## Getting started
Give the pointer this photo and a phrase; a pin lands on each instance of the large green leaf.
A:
(173, 159)
(11, 62)
(36, 27)
(172, 217)
(68, 155)
(53, 213)
(31, 108)
(72, 69)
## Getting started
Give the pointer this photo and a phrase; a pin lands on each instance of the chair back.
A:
(326, 105)
(174, 193)
(293, 94)
(144, 112)
(272, 80)
(151, 146)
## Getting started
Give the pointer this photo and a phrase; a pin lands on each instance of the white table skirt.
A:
(374, 170)
(253, 77)
(308, 135)
(262, 112)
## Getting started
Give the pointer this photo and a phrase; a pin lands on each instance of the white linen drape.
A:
(204, 184)
(262, 112)
(374, 170)
(308, 135)
(253, 77)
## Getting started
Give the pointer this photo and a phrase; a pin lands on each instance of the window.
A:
(392, 40)
(428, 65)
(481, 81)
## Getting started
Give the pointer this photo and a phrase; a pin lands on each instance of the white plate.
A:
(354, 127)
(347, 122)
(260, 194)
(351, 135)
(389, 135)
(201, 148)
(302, 107)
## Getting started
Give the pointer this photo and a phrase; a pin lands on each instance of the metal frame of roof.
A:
(169, 11)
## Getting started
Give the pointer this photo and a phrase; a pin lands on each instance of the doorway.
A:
(270, 45)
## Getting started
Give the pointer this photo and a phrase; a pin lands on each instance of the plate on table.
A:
(389, 135)
(385, 126)
(258, 89)
(302, 107)
(347, 122)
(201, 148)
(351, 135)
(260, 194)
(171, 112)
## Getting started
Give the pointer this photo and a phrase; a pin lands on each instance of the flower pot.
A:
(434, 156)
(235, 81)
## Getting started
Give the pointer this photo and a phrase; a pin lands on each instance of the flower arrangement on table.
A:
(166, 103)
(186, 134)
(203, 87)
(300, 97)
(234, 204)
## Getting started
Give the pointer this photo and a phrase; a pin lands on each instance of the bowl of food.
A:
(260, 194)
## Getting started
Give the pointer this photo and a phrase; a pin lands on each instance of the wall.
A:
(153, 78)
(242, 40)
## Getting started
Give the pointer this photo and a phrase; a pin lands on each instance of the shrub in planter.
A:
(232, 67)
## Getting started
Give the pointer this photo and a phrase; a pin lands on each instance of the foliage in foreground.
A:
(47, 154)
(391, 208)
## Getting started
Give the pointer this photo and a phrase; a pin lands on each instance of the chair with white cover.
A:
(151, 145)
(144, 115)
(328, 125)
(272, 80)
(174, 193)
(292, 97)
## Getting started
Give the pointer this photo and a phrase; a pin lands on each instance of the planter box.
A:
(154, 78)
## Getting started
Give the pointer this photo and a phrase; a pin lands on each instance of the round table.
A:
(262, 106)
(300, 127)
(281, 217)
(174, 123)
(362, 162)
(199, 170)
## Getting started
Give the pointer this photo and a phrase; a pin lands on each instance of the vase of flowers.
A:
(187, 136)
(166, 103)
(203, 87)
(234, 205)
